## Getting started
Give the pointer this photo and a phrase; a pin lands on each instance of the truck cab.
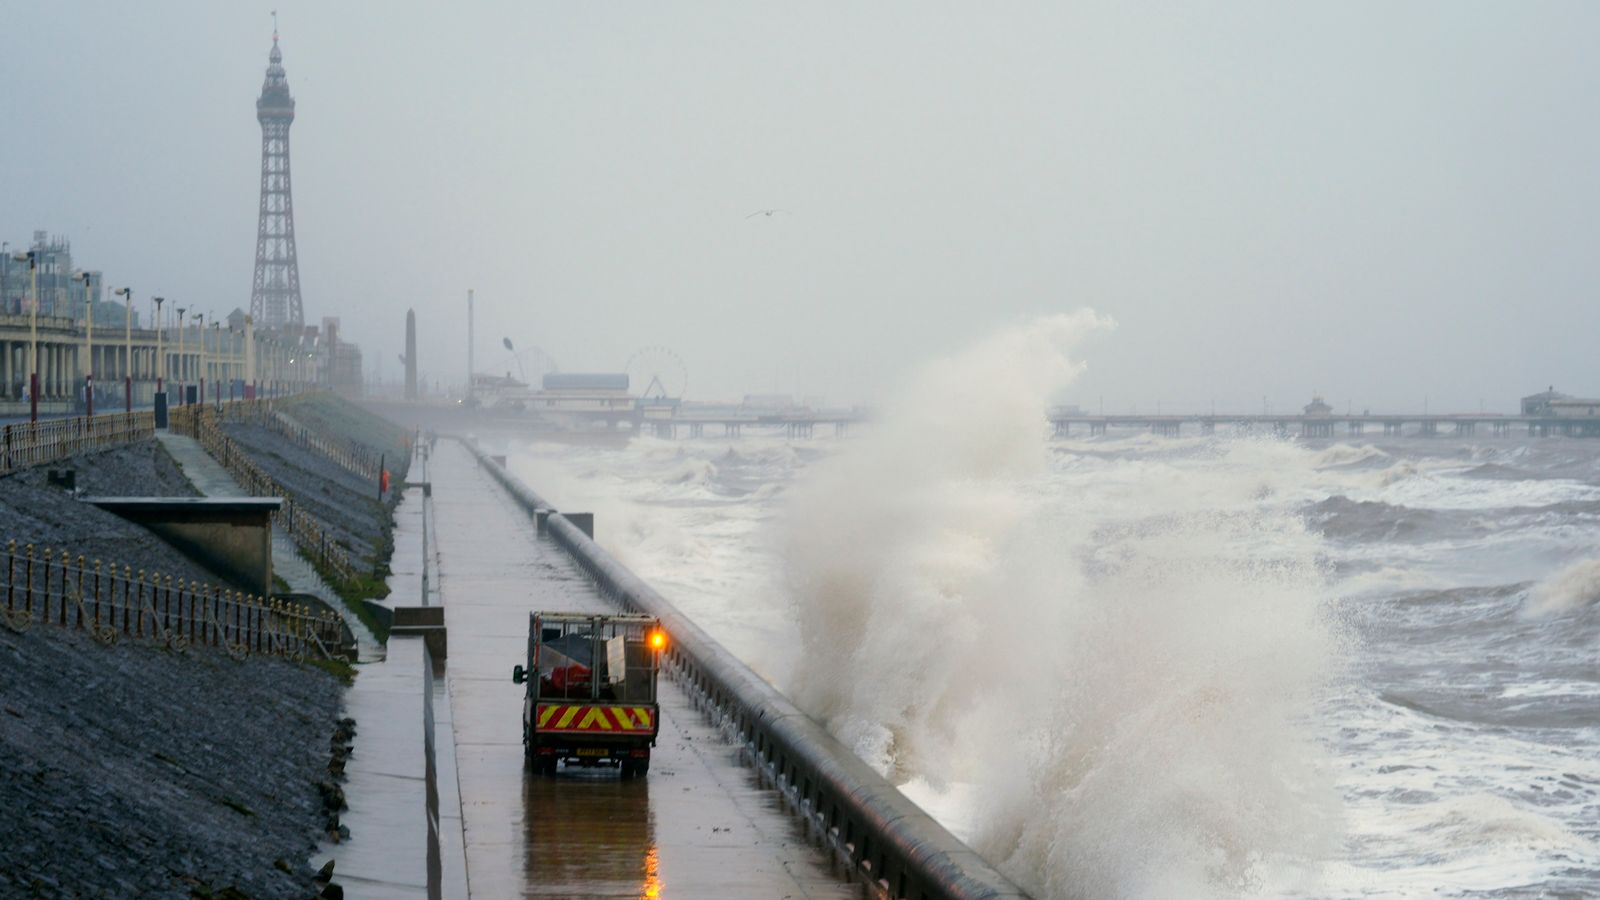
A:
(591, 691)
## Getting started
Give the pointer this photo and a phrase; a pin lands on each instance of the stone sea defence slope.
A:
(346, 502)
(333, 416)
(132, 770)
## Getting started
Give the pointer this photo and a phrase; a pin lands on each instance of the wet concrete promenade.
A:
(699, 826)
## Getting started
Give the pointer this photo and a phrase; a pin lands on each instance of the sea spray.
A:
(1576, 587)
(1412, 787)
(893, 538)
(1175, 758)
(1120, 667)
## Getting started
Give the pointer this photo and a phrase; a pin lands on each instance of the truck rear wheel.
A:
(635, 768)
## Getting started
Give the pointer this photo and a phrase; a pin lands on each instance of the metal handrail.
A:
(113, 602)
(25, 444)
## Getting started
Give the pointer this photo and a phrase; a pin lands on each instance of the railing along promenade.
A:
(874, 833)
(357, 459)
(113, 602)
(312, 536)
(1312, 426)
(28, 444)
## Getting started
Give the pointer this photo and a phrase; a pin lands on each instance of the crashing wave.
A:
(1575, 587)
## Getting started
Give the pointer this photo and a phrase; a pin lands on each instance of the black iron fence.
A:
(25, 444)
(115, 602)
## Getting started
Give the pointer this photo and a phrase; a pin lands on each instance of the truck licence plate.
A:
(591, 751)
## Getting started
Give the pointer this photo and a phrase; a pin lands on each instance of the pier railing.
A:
(1324, 425)
(25, 444)
(114, 602)
(869, 827)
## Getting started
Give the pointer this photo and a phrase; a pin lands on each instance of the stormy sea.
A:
(1140, 666)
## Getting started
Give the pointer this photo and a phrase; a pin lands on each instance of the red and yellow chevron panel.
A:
(587, 718)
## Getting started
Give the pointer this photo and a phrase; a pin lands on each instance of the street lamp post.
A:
(182, 369)
(248, 347)
(274, 366)
(161, 361)
(88, 343)
(202, 318)
(219, 360)
(127, 294)
(32, 259)
(235, 350)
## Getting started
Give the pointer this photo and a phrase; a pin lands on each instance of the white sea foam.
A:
(1575, 587)
(1116, 662)
(1342, 455)
(659, 510)
(1090, 658)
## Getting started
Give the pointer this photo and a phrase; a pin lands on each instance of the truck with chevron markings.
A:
(591, 691)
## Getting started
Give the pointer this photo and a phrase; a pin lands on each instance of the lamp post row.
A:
(31, 257)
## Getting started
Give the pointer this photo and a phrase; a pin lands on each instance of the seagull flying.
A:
(766, 212)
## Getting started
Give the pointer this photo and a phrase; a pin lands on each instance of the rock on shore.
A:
(131, 770)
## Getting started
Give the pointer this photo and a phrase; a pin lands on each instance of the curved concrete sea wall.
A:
(868, 825)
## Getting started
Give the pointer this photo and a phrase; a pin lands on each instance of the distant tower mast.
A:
(411, 354)
(275, 292)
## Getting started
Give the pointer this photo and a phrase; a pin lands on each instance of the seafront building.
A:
(1553, 404)
(59, 293)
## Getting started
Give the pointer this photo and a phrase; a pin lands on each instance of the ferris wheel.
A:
(657, 373)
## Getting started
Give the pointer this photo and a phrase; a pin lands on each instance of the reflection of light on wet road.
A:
(699, 822)
(588, 832)
(652, 877)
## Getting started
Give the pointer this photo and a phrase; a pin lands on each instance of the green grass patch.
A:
(352, 593)
(338, 668)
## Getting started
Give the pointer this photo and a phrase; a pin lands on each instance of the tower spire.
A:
(275, 290)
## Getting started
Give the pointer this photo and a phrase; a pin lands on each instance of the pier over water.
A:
(1326, 426)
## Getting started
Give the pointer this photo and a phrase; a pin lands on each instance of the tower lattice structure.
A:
(275, 292)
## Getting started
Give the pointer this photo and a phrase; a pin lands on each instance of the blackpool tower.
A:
(275, 293)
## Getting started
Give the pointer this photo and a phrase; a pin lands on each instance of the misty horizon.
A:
(1384, 206)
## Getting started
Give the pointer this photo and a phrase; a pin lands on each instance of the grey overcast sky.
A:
(1383, 201)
